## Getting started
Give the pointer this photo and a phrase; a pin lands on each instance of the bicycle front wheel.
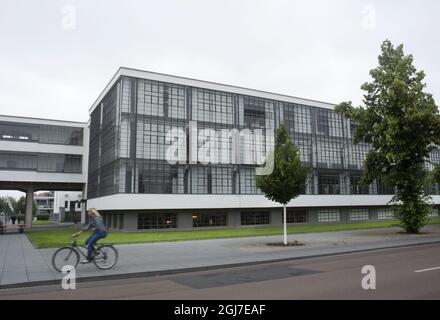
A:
(106, 257)
(66, 256)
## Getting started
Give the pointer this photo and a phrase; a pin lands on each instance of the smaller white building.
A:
(67, 206)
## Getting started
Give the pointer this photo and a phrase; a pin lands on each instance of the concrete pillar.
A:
(83, 205)
(276, 216)
(184, 220)
(29, 202)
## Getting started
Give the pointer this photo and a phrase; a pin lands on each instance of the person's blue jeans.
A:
(96, 235)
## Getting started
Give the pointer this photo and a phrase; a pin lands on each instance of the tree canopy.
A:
(401, 122)
(288, 179)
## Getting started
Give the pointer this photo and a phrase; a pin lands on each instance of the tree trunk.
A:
(285, 224)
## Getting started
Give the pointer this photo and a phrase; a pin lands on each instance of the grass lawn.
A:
(58, 237)
(42, 223)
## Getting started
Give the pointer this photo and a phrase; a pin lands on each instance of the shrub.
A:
(42, 217)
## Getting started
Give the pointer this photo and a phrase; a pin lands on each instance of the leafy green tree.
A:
(288, 179)
(401, 122)
(20, 206)
(3, 203)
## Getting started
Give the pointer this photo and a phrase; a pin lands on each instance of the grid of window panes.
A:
(248, 181)
(329, 215)
(249, 218)
(176, 101)
(209, 219)
(386, 214)
(329, 154)
(335, 124)
(41, 162)
(160, 99)
(12, 131)
(148, 221)
(157, 176)
(322, 122)
(254, 112)
(108, 127)
(221, 179)
(212, 106)
(199, 179)
(359, 215)
(329, 182)
(298, 122)
(150, 98)
(151, 139)
(356, 185)
(145, 110)
(297, 118)
(296, 216)
(355, 155)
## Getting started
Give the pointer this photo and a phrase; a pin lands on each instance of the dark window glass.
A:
(356, 186)
(296, 216)
(209, 220)
(255, 218)
(383, 188)
(41, 133)
(322, 124)
(157, 221)
(254, 113)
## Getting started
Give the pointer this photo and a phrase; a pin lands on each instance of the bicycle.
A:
(105, 255)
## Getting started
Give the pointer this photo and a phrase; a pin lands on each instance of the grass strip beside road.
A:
(58, 237)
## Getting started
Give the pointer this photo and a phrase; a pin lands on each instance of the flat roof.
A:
(31, 120)
(142, 74)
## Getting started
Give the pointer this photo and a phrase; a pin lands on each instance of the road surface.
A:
(404, 273)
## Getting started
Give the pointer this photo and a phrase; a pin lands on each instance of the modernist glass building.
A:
(133, 184)
(42, 154)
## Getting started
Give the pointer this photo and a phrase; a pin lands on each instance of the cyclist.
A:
(99, 232)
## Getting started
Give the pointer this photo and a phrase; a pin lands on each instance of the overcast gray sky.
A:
(57, 56)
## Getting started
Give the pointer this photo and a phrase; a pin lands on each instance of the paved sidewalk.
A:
(20, 263)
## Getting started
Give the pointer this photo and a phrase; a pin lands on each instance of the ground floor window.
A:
(209, 219)
(386, 214)
(329, 216)
(157, 221)
(359, 215)
(255, 218)
(296, 216)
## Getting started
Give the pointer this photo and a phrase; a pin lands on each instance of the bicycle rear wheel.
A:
(66, 256)
(106, 257)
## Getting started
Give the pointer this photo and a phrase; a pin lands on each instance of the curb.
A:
(204, 268)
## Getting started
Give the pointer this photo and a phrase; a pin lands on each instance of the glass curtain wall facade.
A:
(21, 160)
(128, 142)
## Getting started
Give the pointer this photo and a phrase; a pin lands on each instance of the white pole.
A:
(285, 225)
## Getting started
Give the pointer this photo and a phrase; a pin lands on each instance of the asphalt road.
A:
(404, 273)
